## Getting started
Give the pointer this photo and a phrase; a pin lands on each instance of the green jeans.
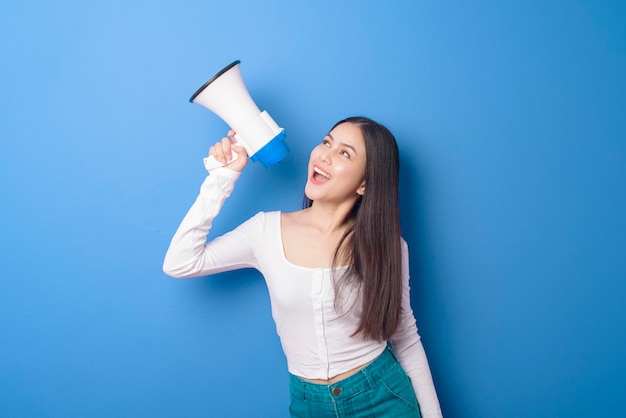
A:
(382, 389)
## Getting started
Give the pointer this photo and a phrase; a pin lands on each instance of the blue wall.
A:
(510, 119)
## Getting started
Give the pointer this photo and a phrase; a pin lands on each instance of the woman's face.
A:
(337, 166)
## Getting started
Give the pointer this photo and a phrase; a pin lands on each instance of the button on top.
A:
(336, 391)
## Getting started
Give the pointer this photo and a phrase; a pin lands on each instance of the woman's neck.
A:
(330, 218)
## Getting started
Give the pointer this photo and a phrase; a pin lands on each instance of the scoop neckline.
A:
(287, 261)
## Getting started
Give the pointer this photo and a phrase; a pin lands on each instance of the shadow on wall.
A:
(425, 300)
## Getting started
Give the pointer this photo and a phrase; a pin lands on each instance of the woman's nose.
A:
(325, 157)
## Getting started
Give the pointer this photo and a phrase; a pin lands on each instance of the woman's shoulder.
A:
(266, 216)
(266, 219)
(260, 226)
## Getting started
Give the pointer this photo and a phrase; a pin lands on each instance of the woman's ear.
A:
(361, 189)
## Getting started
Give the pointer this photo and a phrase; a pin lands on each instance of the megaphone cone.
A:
(225, 94)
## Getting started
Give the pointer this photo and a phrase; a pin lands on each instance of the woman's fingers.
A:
(224, 150)
(218, 152)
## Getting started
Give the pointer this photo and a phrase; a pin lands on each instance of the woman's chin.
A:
(312, 190)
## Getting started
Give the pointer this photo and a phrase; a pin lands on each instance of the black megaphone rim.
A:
(215, 77)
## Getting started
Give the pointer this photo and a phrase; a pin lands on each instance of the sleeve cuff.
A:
(225, 172)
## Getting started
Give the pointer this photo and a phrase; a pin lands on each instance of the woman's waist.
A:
(339, 377)
(362, 378)
(329, 367)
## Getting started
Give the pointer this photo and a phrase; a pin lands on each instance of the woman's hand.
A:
(224, 151)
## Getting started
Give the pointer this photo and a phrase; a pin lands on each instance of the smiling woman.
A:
(337, 166)
(337, 274)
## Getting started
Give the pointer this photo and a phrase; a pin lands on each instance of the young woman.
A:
(337, 273)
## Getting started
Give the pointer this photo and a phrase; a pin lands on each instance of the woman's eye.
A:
(345, 154)
(326, 142)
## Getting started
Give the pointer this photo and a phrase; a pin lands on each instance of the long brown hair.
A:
(372, 242)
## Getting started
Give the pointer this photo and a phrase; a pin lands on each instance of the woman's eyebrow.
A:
(343, 143)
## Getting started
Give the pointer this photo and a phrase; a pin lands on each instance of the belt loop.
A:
(370, 381)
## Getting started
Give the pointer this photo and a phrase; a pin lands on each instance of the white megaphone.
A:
(226, 95)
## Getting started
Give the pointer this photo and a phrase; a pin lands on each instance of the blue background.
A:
(510, 119)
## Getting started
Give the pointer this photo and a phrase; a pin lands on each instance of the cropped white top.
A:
(315, 337)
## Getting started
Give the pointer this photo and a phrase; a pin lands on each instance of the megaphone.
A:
(226, 95)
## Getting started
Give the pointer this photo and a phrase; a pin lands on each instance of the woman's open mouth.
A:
(319, 175)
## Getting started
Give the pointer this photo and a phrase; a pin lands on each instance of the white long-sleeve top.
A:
(314, 336)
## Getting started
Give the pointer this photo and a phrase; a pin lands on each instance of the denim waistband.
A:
(363, 380)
